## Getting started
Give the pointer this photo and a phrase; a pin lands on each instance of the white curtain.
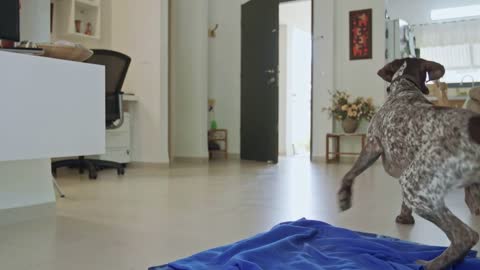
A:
(454, 56)
(447, 34)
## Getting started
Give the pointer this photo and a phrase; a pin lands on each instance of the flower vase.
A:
(350, 125)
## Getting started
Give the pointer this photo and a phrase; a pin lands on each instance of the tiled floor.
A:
(153, 216)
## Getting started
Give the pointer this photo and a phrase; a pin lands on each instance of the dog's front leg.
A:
(370, 153)
(405, 216)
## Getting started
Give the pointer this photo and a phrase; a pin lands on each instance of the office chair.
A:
(116, 68)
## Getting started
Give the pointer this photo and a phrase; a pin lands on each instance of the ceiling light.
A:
(455, 13)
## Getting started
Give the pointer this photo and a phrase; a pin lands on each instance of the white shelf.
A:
(67, 12)
(89, 3)
(80, 35)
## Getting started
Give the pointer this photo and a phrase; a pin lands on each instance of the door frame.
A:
(312, 71)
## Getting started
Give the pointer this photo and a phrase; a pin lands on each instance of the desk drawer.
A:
(117, 155)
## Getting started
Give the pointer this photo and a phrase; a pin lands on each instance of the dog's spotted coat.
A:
(430, 149)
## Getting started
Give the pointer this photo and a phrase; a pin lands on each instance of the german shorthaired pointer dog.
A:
(430, 149)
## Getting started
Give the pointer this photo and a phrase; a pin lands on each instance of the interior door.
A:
(259, 98)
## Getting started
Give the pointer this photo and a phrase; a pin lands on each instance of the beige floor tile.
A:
(153, 216)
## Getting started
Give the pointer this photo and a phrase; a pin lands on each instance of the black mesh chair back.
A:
(116, 68)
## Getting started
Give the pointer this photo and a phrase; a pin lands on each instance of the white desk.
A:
(49, 108)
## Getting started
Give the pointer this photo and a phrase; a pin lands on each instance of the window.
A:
(456, 45)
(455, 13)
(459, 60)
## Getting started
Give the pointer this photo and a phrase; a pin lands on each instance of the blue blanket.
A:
(314, 245)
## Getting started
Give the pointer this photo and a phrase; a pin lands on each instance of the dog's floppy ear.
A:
(435, 70)
(388, 71)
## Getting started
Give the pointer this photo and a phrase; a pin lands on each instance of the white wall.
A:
(359, 77)
(294, 17)
(138, 30)
(297, 14)
(35, 20)
(190, 78)
(418, 11)
(294, 89)
(323, 72)
(283, 140)
(224, 67)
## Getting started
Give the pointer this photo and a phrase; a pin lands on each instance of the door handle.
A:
(271, 71)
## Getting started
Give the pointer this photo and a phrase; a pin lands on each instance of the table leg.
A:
(337, 150)
(328, 150)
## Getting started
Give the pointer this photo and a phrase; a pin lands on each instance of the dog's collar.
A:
(408, 78)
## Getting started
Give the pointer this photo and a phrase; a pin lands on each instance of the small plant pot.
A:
(350, 125)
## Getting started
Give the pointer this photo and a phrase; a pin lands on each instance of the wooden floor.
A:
(154, 216)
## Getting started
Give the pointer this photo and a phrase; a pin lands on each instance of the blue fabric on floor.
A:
(314, 245)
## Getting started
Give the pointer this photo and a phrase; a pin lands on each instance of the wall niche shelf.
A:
(78, 16)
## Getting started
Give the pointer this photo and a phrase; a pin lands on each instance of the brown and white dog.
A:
(431, 150)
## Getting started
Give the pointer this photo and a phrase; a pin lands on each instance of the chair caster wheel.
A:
(92, 176)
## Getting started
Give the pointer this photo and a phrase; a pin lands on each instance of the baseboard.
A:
(22, 214)
(147, 165)
(234, 156)
(198, 160)
(319, 159)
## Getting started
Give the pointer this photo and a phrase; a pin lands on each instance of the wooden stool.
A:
(218, 135)
(337, 138)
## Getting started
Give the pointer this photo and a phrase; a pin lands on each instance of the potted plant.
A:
(350, 113)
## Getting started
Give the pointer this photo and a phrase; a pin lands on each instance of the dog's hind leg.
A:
(472, 198)
(370, 153)
(424, 192)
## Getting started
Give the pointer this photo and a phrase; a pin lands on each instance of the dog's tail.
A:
(474, 128)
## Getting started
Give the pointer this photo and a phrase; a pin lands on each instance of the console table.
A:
(336, 137)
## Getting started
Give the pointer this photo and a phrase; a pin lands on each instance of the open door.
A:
(259, 98)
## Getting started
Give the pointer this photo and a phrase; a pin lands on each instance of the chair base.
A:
(92, 165)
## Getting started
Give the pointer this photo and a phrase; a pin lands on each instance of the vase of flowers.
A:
(350, 113)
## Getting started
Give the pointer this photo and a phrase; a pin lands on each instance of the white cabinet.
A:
(118, 146)
(79, 18)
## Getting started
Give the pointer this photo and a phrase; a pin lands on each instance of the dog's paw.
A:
(405, 220)
(426, 264)
(345, 199)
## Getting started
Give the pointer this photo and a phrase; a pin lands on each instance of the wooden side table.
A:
(337, 139)
(218, 135)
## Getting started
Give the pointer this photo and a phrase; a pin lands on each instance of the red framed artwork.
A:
(361, 34)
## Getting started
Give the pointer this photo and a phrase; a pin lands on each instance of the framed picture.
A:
(361, 34)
